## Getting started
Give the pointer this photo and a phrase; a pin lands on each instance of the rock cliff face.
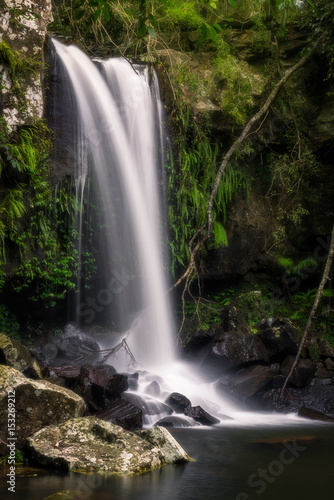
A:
(23, 25)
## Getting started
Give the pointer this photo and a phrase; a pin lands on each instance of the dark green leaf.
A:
(142, 31)
(151, 31)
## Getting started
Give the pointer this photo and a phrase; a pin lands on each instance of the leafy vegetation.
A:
(35, 228)
(258, 302)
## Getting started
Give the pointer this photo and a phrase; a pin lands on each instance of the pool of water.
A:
(290, 462)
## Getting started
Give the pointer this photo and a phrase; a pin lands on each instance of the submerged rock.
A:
(177, 421)
(14, 354)
(202, 416)
(91, 445)
(181, 404)
(37, 403)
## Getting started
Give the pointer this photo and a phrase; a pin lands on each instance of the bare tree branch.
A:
(234, 148)
(324, 279)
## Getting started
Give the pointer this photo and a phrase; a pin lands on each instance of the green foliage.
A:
(235, 82)
(17, 64)
(8, 322)
(19, 458)
(291, 187)
(35, 226)
(319, 22)
(190, 179)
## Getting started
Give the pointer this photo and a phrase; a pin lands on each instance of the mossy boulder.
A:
(92, 445)
(14, 354)
(37, 403)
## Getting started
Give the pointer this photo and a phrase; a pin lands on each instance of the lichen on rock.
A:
(91, 445)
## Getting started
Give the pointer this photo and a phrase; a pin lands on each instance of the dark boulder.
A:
(92, 383)
(326, 349)
(318, 397)
(202, 416)
(122, 413)
(177, 421)
(314, 415)
(253, 379)
(302, 373)
(178, 402)
(200, 340)
(235, 348)
(77, 346)
(69, 373)
(278, 336)
(148, 406)
(117, 384)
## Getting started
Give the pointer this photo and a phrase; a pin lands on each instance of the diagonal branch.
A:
(234, 148)
(324, 279)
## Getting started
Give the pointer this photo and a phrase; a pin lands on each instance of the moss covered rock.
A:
(36, 403)
(14, 354)
(92, 445)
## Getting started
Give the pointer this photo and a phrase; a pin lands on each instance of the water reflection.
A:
(286, 463)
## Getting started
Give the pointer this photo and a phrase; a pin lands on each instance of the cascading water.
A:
(119, 118)
(120, 141)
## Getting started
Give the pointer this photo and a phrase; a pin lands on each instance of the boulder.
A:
(303, 372)
(177, 421)
(148, 406)
(253, 379)
(314, 415)
(37, 403)
(178, 402)
(278, 336)
(91, 445)
(77, 346)
(14, 354)
(117, 384)
(329, 364)
(326, 349)
(92, 383)
(153, 389)
(202, 416)
(122, 413)
(159, 436)
(319, 397)
(200, 339)
(69, 373)
(236, 348)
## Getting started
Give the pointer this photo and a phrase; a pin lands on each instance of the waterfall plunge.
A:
(122, 142)
(120, 139)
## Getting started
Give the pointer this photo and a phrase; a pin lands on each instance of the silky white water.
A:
(120, 123)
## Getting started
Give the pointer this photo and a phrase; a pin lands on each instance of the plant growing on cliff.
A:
(38, 238)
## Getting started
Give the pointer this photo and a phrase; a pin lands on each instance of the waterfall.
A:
(120, 122)
(119, 131)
